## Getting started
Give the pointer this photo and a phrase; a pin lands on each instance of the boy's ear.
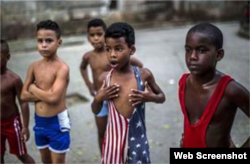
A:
(132, 49)
(8, 56)
(220, 54)
(60, 41)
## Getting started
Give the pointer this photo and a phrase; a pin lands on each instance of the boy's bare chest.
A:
(122, 103)
(197, 102)
(7, 87)
(45, 76)
(99, 64)
(8, 96)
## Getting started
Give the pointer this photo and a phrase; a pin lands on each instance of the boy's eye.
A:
(39, 40)
(187, 50)
(99, 34)
(201, 51)
(48, 40)
(119, 49)
(107, 49)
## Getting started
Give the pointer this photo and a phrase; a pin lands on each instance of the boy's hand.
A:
(181, 141)
(31, 87)
(138, 97)
(25, 134)
(107, 93)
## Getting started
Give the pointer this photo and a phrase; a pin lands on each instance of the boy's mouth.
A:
(113, 64)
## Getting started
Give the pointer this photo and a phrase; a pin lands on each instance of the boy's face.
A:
(118, 51)
(201, 53)
(4, 58)
(47, 42)
(96, 37)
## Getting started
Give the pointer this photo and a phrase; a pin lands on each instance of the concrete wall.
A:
(19, 18)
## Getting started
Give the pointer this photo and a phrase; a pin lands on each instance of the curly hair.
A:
(120, 29)
(49, 25)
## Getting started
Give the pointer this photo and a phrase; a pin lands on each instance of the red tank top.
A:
(195, 134)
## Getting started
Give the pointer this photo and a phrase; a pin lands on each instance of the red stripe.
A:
(116, 136)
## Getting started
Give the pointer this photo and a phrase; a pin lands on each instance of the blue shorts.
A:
(104, 111)
(53, 132)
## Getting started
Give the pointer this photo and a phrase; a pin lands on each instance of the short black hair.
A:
(96, 23)
(49, 25)
(120, 29)
(213, 32)
(5, 47)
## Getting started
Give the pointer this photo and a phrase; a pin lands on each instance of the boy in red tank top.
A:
(14, 126)
(209, 99)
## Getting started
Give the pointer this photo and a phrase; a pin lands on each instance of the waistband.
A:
(9, 120)
(49, 120)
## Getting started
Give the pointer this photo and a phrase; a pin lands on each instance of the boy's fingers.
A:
(136, 91)
(114, 91)
(113, 96)
(136, 103)
(103, 84)
(134, 99)
(135, 95)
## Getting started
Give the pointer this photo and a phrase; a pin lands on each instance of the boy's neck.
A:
(3, 70)
(99, 50)
(206, 79)
(126, 69)
(50, 59)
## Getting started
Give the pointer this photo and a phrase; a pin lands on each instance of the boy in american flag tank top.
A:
(125, 138)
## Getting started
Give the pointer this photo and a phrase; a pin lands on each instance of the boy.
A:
(209, 99)
(46, 84)
(125, 137)
(12, 129)
(97, 59)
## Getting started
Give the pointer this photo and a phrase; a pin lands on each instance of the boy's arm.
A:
(152, 93)
(136, 62)
(54, 94)
(239, 96)
(25, 94)
(24, 109)
(85, 75)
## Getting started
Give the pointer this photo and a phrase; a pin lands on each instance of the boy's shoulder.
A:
(145, 71)
(13, 76)
(87, 55)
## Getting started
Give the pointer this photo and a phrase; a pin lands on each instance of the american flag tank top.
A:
(125, 139)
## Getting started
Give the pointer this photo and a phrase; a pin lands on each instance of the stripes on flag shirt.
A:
(125, 139)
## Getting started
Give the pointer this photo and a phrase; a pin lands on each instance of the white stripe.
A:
(111, 136)
(58, 151)
(115, 134)
(119, 136)
(42, 147)
(17, 129)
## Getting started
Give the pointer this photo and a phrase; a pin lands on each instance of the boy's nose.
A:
(113, 54)
(96, 37)
(194, 55)
(44, 44)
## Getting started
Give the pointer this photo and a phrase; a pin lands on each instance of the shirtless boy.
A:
(209, 99)
(46, 85)
(125, 88)
(98, 62)
(12, 128)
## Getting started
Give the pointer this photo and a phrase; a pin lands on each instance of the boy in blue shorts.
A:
(46, 85)
(98, 62)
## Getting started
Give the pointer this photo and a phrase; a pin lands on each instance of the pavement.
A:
(162, 51)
